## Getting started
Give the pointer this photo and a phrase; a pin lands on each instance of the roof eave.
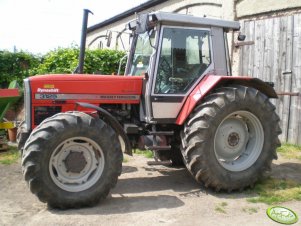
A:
(130, 12)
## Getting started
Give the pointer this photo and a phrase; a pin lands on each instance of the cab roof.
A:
(193, 20)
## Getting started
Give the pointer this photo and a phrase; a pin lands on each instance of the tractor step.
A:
(131, 128)
(157, 148)
(163, 133)
(156, 163)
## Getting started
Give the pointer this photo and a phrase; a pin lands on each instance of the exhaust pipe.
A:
(81, 59)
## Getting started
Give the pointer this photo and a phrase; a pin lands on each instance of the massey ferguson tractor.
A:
(177, 98)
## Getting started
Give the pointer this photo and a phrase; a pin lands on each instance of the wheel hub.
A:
(238, 140)
(75, 162)
(233, 139)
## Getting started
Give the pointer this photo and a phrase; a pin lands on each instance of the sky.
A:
(38, 26)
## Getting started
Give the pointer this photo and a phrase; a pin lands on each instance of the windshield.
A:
(141, 55)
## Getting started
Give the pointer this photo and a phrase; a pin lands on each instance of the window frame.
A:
(209, 68)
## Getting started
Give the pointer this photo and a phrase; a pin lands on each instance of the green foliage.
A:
(273, 191)
(58, 61)
(10, 156)
(250, 210)
(290, 151)
(103, 61)
(65, 60)
(16, 66)
(146, 153)
(221, 207)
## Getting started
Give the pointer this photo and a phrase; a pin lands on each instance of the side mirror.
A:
(241, 37)
(109, 38)
(142, 24)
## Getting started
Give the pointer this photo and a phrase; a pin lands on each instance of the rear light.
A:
(43, 112)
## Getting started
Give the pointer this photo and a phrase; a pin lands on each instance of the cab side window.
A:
(184, 56)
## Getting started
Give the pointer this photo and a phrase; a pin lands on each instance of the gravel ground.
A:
(144, 195)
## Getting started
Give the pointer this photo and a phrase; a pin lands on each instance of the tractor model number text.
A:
(44, 96)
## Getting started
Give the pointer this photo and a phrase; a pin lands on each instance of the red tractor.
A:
(178, 98)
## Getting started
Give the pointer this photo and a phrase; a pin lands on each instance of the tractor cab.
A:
(175, 52)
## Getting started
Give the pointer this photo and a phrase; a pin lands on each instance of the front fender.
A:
(210, 82)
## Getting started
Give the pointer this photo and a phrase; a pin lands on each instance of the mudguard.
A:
(210, 82)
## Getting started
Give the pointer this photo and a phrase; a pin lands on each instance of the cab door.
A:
(183, 58)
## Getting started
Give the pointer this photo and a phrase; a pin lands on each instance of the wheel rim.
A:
(238, 141)
(76, 164)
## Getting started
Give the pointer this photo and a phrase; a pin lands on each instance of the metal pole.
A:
(83, 42)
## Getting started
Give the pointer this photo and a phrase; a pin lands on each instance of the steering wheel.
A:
(165, 67)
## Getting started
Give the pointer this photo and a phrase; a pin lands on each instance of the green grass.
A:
(125, 159)
(221, 207)
(10, 156)
(290, 151)
(275, 191)
(250, 210)
(147, 153)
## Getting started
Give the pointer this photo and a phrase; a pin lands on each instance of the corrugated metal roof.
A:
(130, 12)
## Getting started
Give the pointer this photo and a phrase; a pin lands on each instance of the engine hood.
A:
(104, 84)
(109, 89)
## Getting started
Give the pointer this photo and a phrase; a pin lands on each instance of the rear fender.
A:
(211, 82)
(111, 121)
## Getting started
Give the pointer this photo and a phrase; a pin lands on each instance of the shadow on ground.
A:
(122, 205)
(287, 170)
(163, 187)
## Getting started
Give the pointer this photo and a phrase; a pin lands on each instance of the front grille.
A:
(43, 112)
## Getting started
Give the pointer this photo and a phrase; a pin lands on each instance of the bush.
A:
(16, 66)
(60, 61)
(65, 60)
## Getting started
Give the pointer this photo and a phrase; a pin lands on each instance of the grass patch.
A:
(10, 156)
(274, 191)
(250, 210)
(147, 153)
(290, 151)
(221, 208)
(224, 204)
(125, 159)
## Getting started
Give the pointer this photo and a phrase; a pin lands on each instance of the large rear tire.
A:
(230, 139)
(72, 160)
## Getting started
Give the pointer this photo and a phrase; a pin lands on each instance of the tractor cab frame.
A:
(175, 52)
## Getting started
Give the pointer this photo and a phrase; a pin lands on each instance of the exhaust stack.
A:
(81, 59)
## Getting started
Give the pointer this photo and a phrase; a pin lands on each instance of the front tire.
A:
(22, 136)
(72, 160)
(231, 138)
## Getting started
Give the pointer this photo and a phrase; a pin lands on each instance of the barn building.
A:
(275, 55)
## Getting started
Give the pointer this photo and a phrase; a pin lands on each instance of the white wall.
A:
(210, 8)
(246, 8)
(224, 9)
